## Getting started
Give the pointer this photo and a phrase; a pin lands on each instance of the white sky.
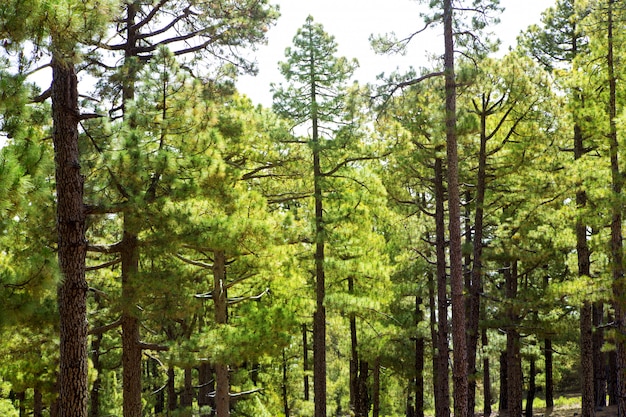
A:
(351, 22)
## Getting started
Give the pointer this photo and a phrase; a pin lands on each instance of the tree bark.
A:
(549, 373)
(599, 357)
(72, 245)
(486, 377)
(172, 401)
(442, 393)
(376, 389)
(617, 266)
(503, 403)
(419, 362)
(514, 359)
(532, 388)
(305, 361)
(220, 302)
(459, 374)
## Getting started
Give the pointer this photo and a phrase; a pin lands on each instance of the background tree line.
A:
(444, 240)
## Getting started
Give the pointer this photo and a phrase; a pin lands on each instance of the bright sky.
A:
(351, 22)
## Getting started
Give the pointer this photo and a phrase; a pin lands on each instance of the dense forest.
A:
(442, 241)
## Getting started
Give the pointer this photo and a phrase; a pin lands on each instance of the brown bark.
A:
(37, 402)
(442, 393)
(419, 362)
(319, 319)
(284, 384)
(486, 377)
(532, 388)
(376, 389)
(305, 361)
(503, 402)
(548, 353)
(514, 358)
(207, 386)
(599, 357)
(131, 347)
(220, 302)
(172, 401)
(187, 396)
(72, 246)
(459, 371)
(617, 266)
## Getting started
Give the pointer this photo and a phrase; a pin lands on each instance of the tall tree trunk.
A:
(97, 383)
(532, 387)
(376, 389)
(486, 377)
(305, 361)
(319, 319)
(548, 354)
(186, 397)
(617, 265)
(37, 402)
(72, 245)
(354, 355)
(503, 402)
(419, 362)
(220, 301)
(284, 384)
(599, 357)
(475, 287)
(514, 358)
(459, 372)
(586, 311)
(207, 383)
(442, 394)
(131, 347)
(172, 401)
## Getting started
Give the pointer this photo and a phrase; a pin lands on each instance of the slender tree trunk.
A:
(159, 402)
(354, 355)
(442, 394)
(186, 398)
(319, 320)
(532, 387)
(37, 402)
(97, 383)
(599, 357)
(284, 384)
(21, 398)
(475, 287)
(172, 401)
(503, 402)
(220, 301)
(419, 362)
(434, 338)
(72, 245)
(305, 361)
(376, 389)
(548, 353)
(205, 376)
(486, 377)
(617, 265)
(459, 373)
(514, 358)
(131, 347)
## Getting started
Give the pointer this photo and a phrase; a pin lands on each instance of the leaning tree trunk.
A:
(72, 245)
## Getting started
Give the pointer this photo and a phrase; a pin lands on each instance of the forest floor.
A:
(573, 411)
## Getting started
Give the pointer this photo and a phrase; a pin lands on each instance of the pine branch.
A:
(104, 265)
(106, 328)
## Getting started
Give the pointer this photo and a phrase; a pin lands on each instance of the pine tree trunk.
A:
(172, 401)
(319, 319)
(205, 376)
(220, 301)
(476, 286)
(532, 388)
(503, 402)
(186, 398)
(72, 245)
(514, 358)
(305, 361)
(376, 389)
(284, 384)
(442, 393)
(131, 348)
(459, 374)
(37, 402)
(599, 357)
(486, 377)
(419, 362)
(97, 383)
(549, 373)
(617, 266)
